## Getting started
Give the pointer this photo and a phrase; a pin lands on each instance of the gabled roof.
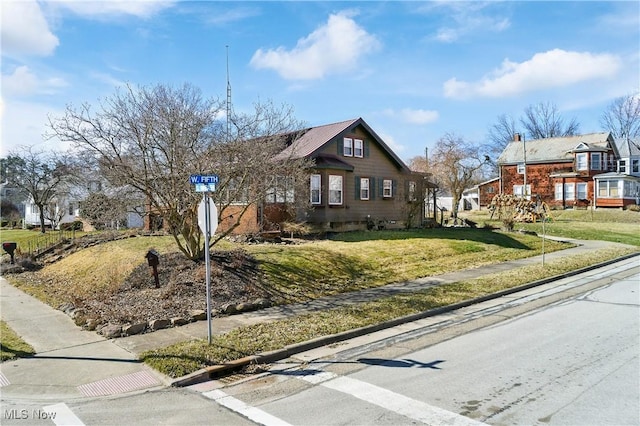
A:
(628, 148)
(313, 139)
(554, 149)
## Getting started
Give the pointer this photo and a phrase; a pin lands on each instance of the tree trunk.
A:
(41, 210)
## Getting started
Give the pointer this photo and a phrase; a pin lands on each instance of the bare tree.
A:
(500, 134)
(543, 120)
(153, 138)
(622, 117)
(41, 175)
(456, 166)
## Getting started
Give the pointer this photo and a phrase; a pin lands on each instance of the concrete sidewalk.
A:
(73, 363)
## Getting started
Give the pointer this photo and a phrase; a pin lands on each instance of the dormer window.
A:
(622, 166)
(596, 161)
(347, 149)
(581, 161)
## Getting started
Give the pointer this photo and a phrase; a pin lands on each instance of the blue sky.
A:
(413, 70)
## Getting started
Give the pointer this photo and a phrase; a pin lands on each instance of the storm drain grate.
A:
(121, 384)
(3, 380)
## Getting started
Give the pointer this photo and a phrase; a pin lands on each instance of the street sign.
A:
(212, 217)
(204, 183)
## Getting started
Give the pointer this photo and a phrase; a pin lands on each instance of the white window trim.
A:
(347, 147)
(581, 161)
(558, 191)
(364, 186)
(584, 193)
(387, 188)
(596, 165)
(569, 194)
(333, 181)
(520, 168)
(312, 188)
(358, 148)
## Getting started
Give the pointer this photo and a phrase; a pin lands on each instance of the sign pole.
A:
(207, 261)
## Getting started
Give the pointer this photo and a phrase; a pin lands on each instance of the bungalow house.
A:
(357, 181)
(574, 171)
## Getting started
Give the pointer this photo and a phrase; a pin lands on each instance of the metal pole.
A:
(524, 154)
(207, 261)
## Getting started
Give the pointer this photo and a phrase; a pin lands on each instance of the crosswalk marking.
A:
(61, 415)
(252, 413)
(384, 398)
(398, 403)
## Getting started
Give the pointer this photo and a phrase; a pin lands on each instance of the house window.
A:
(335, 190)
(519, 191)
(412, 191)
(364, 188)
(281, 190)
(581, 161)
(582, 190)
(521, 168)
(347, 148)
(70, 209)
(387, 188)
(234, 193)
(358, 150)
(558, 191)
(622, 166)
(315, 189)
(608, 188)
(490, 190)
(635, 166)
(569, 191)
(596, 161)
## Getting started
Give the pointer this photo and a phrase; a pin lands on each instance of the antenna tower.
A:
(228, 98)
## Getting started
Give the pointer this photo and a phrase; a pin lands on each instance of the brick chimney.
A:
(516, 137)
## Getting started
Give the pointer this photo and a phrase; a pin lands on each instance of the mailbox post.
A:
(10, 248)
(153, 259)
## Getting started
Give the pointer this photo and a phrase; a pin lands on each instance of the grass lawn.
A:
(12, 346)
(184, 358)
(348, 262)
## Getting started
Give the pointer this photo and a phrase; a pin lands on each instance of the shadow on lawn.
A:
(484, 236)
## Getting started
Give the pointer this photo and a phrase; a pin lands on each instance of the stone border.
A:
(112, 331)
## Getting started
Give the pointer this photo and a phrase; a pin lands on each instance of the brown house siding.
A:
(538, 177)
(353, 213)
(487, 192)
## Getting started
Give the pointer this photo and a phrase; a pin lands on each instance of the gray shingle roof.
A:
(628, 148)
(314, 137)
(552, 149)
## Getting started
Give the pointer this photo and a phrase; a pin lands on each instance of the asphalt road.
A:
(566, 353)
(574, 362)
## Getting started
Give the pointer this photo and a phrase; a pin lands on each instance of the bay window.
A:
(315, 189)
(335, 190)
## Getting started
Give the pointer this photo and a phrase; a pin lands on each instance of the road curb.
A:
(213, 371)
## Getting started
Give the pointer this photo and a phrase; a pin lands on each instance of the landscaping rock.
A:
(198, 314)
(229, 308)
(111, 331)
(158, 324)
(130, 330)
(244, 307)
(261, 303)
(178, 321)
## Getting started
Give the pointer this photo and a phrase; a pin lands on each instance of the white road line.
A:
(400, 404)
(62, 415)
(252, 413)
(389, 400)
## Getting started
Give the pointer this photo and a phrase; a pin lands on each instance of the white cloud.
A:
(392, 143)
(25, 30)
(467, 17)
(28, 124)
(105, 9)
(555, 68)
(23, 82)
(333, 48)
(414, 116)
(419, 116)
